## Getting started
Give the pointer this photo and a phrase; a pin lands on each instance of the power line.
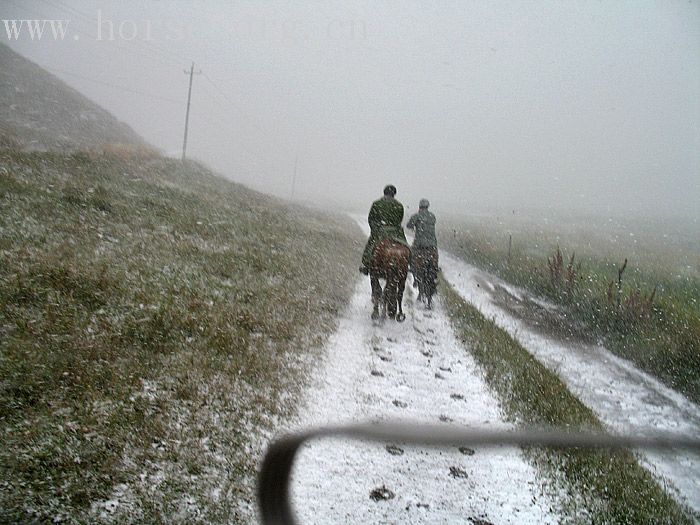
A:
(256, 125)
(224, 124)
(79, 30)
(122, 88)
(163, 52)
(225, 127)
(234, 106)
(219, 92)
(225, 97)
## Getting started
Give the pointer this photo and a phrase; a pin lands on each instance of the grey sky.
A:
(510, 105)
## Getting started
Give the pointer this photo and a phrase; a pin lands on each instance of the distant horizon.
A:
(588, 109)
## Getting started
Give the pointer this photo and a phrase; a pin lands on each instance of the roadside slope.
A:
(155, 322)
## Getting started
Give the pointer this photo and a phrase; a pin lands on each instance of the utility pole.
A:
(187, 115)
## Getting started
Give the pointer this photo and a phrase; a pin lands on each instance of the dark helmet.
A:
(390, 190)
(424, 203)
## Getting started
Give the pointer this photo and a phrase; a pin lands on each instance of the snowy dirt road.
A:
(416, 370)
(419, 371)
(625, 399)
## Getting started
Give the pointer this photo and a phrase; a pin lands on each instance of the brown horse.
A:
(389, 262)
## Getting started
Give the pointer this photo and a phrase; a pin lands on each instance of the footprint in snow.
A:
(457, 397)
(384, 357)
(391, 339)
(467, 451)
(445, 419)
(427, 353)
(400, 404)
(457, 472)
(438, 375)
(394, 450)
(445, 368)
(478, 521)
(418, 506)
(381, 493)
(377, 373)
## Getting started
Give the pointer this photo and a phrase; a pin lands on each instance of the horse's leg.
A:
(420, 275)
(390, 291)
(376, 294)
(427, 288)
(432, 279)
(421, 284)
(401, 286)
(415, 271)
(390, 297)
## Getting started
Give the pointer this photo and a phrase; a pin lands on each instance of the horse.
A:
(425, 269)
(389, 262)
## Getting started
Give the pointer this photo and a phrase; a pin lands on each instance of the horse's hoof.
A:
(375, 316)
(400, 318)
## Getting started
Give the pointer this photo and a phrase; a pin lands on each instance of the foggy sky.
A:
(584, 106)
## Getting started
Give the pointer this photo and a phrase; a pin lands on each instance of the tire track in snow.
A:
(416, 370)
(625, 399)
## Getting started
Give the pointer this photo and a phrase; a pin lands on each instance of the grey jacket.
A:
(423, 223)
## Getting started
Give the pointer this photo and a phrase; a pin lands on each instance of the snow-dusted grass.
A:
(155, 322)
(663, 340)
(605, 486)
(623, 397)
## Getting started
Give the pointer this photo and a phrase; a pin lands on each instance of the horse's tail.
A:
(397, 271)
(391, 261)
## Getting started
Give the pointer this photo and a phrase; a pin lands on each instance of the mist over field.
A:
(489, 107)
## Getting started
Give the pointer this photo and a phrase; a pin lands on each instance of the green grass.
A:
(155, 321)
(601, 486)
(665, 341)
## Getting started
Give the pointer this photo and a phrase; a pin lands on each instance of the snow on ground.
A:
(416, 370)
(626, 399)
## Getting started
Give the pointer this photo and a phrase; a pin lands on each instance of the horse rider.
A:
(425, 243)
(384, 219)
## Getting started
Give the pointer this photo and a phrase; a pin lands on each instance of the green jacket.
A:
(424, 224)
(385, 218)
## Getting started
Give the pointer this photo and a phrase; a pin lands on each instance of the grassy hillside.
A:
(155, 321)
(40, 112)
(660, 333)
